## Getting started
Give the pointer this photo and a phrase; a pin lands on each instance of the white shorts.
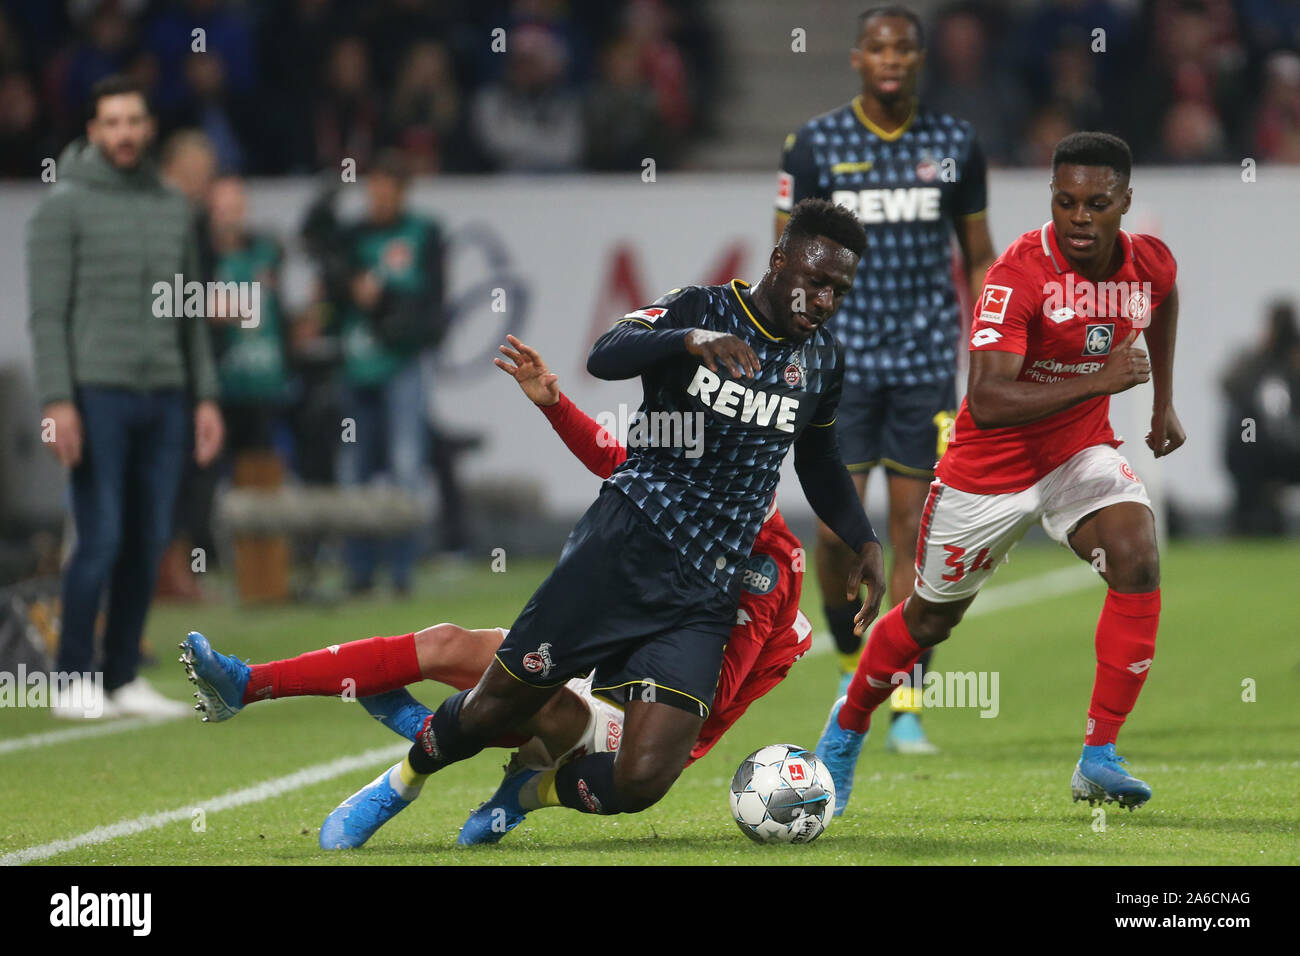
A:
(603, 732)
(964, 536)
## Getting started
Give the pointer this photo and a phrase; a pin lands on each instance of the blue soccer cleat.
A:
(839, 750)
(398, 711)
(355, 820)
(219, 679)
(907, 736)
(1100, 777)
(500, 813)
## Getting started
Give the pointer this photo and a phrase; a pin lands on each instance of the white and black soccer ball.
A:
(782, 794)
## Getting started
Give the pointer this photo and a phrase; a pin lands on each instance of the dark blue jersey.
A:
(909, 189)
(705, 449)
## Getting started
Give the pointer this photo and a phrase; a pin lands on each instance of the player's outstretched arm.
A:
(592, 445)
(631, 347)
(996, 398)
(834, 497)
(1166, 433)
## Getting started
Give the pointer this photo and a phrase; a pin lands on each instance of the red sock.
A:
(373, 666)
(890, 650)
(1126, 643)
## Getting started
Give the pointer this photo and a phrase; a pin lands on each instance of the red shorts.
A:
(770, 633)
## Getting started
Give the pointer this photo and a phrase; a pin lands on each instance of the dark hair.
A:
(892, 10)
(393, 164)
(1094, 149)
(813, 218)
(116, 84)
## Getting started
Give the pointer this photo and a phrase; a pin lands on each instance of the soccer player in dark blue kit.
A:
(647, 586)
(915, 179)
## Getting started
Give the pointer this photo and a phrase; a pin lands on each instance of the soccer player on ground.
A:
(914, 178)
(769, 635)
(647, 586)
(1052, 340)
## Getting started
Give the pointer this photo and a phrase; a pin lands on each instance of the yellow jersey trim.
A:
(758, 325)
(866, 121)
(680, 693)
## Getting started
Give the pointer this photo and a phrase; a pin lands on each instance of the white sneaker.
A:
(139, 699)
(82, 700)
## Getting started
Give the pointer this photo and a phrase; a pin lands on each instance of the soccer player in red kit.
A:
(769, 636)
(1052, 340)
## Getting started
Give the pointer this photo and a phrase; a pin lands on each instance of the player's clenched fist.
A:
(719, 348)
(1125, 367)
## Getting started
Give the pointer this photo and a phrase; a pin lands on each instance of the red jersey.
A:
(1035, 305)
(769, 635)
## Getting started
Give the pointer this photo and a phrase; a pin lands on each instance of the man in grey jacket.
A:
(119, 370)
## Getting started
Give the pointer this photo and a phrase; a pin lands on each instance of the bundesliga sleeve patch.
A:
(646, 315)
(993, 305)
(784, 191)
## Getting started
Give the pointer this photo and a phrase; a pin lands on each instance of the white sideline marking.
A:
(101, 728)
(1005, 596)
(90, 729)
(257, 793)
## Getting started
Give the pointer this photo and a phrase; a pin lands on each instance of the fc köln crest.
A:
(794, 375)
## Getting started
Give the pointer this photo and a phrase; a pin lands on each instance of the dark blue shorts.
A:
(625, 603)
(903, 427)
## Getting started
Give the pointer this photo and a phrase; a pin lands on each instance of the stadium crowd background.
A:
(291, 86)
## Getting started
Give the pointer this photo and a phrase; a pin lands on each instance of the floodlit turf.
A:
(1225, 772)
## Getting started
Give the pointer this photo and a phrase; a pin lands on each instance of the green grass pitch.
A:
(1225, 771)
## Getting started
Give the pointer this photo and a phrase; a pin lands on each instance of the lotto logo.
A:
(985, 337)
(613, 736)
(1127, 472)
(994, 302)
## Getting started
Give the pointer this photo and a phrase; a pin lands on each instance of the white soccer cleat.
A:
(81, 699)
(139, 699)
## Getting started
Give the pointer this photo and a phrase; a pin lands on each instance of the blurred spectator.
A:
(1188, 103)
(1263, 391)
(115, 381)
(1047, 127)
(620, 117)
(107, 45)
(426, 119)
(251, 354)
(189, 165)
(348, 111)
(530, 122)
(1277, 123)
(660, 62)
(392, 313)
(24, 137)
(1191, 133)
(967, 80)
(223, 118)
(171, 36)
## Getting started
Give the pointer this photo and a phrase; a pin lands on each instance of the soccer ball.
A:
(782, 794)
